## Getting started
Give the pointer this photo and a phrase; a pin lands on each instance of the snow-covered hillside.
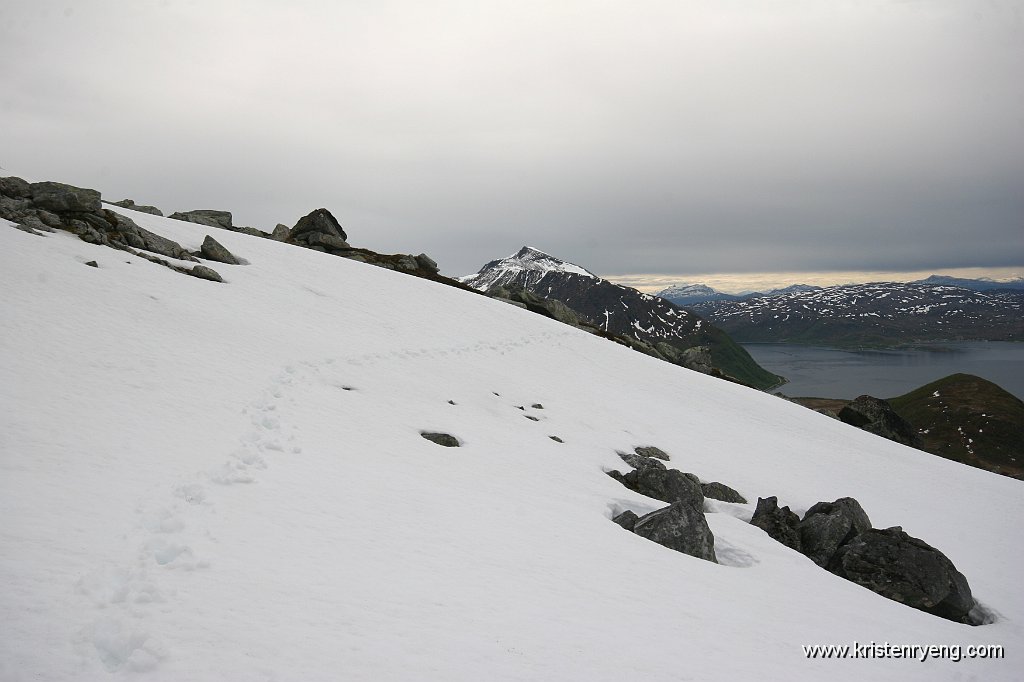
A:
(205, 481)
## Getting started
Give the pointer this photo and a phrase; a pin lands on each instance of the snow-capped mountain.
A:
(981, 284)
(619, 310)
(526, 265)
(874, 313)
(684, 294)
(215, 481)
(692, 294)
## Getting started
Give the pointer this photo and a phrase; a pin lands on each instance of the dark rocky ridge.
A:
(651, 324)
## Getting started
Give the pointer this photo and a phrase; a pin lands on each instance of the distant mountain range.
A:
(685, 294)
(688, 294)
(881, 313)
(619, 310)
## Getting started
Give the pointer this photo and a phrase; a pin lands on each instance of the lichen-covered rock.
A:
(319, 220)
(131, 205)
(61, 198)
(906, 569)
(680, 527)
(15, 188)
(829, 525)
(213, 250)
(780, 523)
(426, 262)
(667, 485)
(208, 217)
(327, 241)
(651, 451)
(640, 462)
(721, 492)
(203, 272)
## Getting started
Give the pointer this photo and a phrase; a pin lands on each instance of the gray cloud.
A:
(733, 135)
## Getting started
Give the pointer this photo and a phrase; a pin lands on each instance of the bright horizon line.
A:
(742, 282)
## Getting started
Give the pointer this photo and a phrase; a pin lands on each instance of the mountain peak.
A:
(527, 259)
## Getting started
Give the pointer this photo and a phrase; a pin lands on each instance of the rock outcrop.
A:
(208, 217)
(877, 416)
(48, 206)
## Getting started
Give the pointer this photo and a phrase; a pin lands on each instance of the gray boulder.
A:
(15, 188)
(280, 233)
(780, 523)
(445, 439)
(906, 569)
(203, 272)
(640, 462)
(327, 241)
(213, 250)
(426, 263)
(829, 525)
(667, 485)
(208, 217)
(131, 205)
(722, 492)
(651, 451)
(626, 519)
(877, 416)
(61, 198)
(680, 527)
(319, 220)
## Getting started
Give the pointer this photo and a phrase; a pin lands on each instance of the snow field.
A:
(215, 482)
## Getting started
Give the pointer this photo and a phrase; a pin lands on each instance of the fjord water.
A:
(886, 373)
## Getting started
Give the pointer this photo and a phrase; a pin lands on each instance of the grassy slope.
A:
(971, 420)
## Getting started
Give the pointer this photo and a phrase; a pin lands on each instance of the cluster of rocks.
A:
(838, 537)
(680, 526)
(47, 206)
(697, 358)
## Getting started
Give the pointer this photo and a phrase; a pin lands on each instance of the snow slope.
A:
(206, 481)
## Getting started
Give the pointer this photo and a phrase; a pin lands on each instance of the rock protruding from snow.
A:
(321, 221)
(445, 439)
(780, 523)
(908, 570)
(652, 451)
(681, 527)
(132, 206)
(208, 217)
(213, 250)
(203, 272)
(640, 461)
(828, 525)
(877, 416)
(721, 492)
(626, 519)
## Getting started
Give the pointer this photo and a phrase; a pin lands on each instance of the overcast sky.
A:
(678, 137)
